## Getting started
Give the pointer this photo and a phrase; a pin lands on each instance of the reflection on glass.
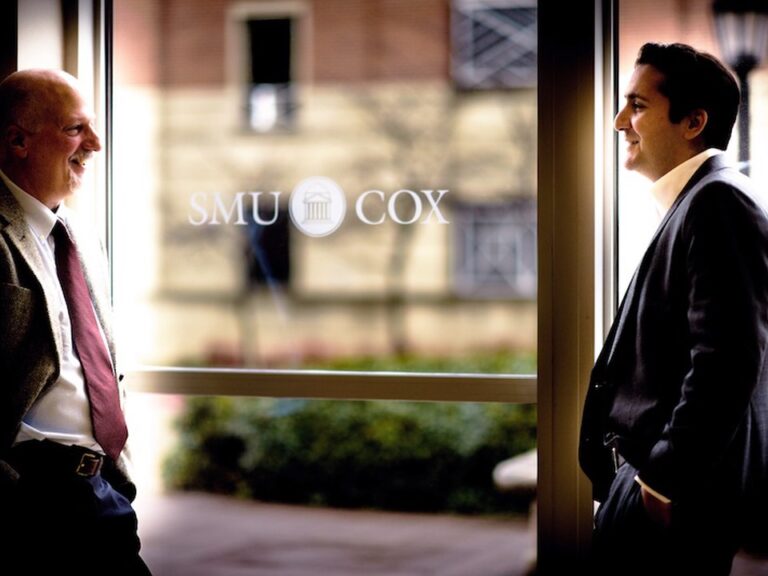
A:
(327, 183)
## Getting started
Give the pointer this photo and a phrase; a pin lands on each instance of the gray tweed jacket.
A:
(30, 340)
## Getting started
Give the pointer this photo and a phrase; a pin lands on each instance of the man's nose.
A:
(621, 121)
(92, 141)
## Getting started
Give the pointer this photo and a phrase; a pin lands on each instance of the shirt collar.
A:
(667, 188)
(40, 218)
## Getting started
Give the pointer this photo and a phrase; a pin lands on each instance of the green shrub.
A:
(414, 456)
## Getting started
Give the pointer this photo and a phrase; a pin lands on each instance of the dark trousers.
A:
(64, 523)
(702, 539)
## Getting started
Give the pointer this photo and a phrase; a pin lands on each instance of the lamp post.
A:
(742, 33)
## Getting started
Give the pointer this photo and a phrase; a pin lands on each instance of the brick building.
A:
(398, 99)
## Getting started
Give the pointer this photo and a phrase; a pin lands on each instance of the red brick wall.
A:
(136, 36)
(380, 39)
(182, 42)
(687, 21)
(193, 42)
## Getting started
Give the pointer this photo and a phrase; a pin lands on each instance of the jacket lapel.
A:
(629, 303)
(14, 226)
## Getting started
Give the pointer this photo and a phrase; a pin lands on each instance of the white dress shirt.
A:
(667, 188)
(63, 413)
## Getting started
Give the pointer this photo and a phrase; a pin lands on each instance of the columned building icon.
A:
(317, 206)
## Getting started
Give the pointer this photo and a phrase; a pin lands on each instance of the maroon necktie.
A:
(109, 427)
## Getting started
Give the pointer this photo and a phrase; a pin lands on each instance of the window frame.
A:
(335, 384)
(577, 258)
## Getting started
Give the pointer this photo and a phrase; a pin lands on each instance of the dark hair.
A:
(695, 80)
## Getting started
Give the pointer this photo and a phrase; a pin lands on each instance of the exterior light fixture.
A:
(742, 34)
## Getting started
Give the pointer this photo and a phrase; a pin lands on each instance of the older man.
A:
(64, 488)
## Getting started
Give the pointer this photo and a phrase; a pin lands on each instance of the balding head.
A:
(27, 96)
(47, 133)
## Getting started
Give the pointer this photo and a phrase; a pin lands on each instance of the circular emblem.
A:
(317, 206)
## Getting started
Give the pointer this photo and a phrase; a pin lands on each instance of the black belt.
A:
(46, 457)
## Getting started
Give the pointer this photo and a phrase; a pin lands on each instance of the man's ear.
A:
(694, 123)
(16, 141)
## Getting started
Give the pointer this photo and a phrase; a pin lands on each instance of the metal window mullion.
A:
(518, 389)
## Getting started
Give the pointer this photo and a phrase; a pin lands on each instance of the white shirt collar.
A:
(667, 188)
(40, 218)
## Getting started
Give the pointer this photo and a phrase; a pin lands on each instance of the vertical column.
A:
(570, 64)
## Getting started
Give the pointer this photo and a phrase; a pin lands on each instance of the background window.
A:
(494, 43)
(268, 249)
(496, 249)
(270, 102)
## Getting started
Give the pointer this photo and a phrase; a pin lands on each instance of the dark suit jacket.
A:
(681, 385)
(29, 330)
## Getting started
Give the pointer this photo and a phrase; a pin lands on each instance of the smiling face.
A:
(52, 141)
(655, 145)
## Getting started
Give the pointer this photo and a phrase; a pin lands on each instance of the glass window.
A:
(392, 225)
(225, 244)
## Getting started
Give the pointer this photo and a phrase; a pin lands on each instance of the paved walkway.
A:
(205, 535)
(189, 534)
